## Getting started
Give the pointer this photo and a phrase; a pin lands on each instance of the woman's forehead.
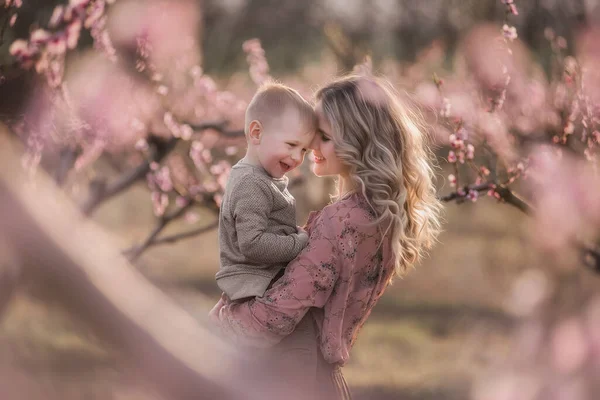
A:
(322, 120)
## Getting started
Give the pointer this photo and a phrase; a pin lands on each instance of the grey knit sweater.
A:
(257, 231)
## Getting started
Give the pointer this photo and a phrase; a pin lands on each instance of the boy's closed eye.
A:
(294, 145)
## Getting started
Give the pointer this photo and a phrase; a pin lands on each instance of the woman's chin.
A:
(319, 171)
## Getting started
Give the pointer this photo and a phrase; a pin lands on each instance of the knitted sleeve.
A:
(252, 202)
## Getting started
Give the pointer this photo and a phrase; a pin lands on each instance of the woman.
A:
(383, 218)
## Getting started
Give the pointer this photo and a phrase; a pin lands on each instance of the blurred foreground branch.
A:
(51, 242)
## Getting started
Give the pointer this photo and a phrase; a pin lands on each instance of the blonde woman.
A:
(384, 217)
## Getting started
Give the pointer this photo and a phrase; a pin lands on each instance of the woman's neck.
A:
(345, 187)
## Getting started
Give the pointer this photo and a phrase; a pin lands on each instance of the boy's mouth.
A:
(285, 166)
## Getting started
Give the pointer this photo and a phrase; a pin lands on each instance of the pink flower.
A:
(231, 150)
(73, 32)
(473, 195)
(191, 217)
(451, 157)
(160, 201)
(57, 16)
(78, 3)
(39, 36)
(19, 48)
(452, 180)
(470, 151)
(509, 32)
(162, 90)
(181, 201)
(141, 145)
(163, 179)
(445, 112)
(57, 45)
(186, 132)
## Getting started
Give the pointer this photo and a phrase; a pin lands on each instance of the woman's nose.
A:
(315, 143)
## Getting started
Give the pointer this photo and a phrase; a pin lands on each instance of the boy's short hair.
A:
(272, 99)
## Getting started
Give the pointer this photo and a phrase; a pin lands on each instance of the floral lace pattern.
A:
(338, 278)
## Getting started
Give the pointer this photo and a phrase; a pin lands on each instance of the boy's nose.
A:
(297, 156)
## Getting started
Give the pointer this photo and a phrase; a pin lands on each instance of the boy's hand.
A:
(213, 314)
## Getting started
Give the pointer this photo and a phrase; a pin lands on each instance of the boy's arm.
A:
(252, 205)
(307, 282)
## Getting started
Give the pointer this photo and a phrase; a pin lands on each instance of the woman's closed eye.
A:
(324, 136)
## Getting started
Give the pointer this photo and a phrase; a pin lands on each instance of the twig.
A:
(134, 252)
(482, 187)
(509, 197)
(186, 235)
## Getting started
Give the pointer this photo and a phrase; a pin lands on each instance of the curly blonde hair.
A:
(379, 139)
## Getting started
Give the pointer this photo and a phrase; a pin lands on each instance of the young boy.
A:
(258, 234)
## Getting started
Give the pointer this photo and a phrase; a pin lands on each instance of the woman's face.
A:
(326, 161)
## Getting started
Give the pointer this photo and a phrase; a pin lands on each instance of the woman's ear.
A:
(255, 130)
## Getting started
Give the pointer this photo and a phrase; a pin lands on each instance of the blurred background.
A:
(457, 325)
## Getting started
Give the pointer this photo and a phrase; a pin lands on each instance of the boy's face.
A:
(283, 143)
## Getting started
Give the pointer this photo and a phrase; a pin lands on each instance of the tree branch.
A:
(187, 234)
(134, 252)
(482, 187)
(590, 255)
(100, 191)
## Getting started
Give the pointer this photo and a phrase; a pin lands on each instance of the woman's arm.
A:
(307, 282)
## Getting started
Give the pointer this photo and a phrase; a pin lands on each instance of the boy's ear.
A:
(255, 130)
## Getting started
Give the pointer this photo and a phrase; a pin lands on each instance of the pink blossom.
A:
(191, 217)
(39, 36)
(57, 16)
(196, 71)
(470, 152)
(57, 45)
(186, 132)
(181, 201)
(451, 157)
(162, 90)
(452, 180)
(19, 48)
(509, 32)
(472, 195)
(160, 201)
(73, 31)
(78, 3)
(231, 150)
